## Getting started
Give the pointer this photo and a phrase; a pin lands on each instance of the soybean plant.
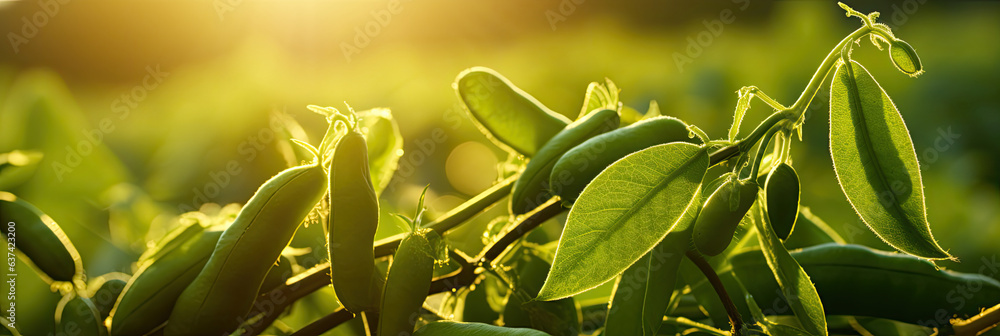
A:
(689, 233)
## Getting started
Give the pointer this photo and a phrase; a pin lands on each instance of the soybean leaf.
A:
(742, 105)
(473, 329)
(293, 154)
(794, 282)
(875, 163)
(385, 145)
(622, 214)
(643, 292)
(508, 116)
(597, 97)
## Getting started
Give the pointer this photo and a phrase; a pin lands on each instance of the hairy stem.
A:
(467, 274)
(978, 324)
(727, 302)
(325, 323)
(455, 217)
(681, 321)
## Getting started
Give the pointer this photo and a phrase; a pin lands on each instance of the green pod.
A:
(860, 281)
(40, 239)
(408, 282)
(530, 189)
(104, 291)
(721, 214)
(473, 329)
(150, 294)
(277, 275)
(353, 221)
(191, 225)
(575, 169)
(781, 191)
(218, 298)
(905, 58)
(76, 315)
(510, 117)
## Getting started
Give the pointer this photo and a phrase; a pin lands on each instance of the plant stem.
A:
(824, 69)
(319, 276)
(681, 321)
(734, 315)
(455, 217)
(325, 323)
(978, 324)
(760, 152)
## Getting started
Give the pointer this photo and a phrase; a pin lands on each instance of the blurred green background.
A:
(168, 93)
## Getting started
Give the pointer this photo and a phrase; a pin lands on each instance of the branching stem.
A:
(713, 278)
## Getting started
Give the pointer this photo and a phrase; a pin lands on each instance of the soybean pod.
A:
(781, 192)
(722, 213)
(215, 302)
(860, 281)
(104, 291)
(510, 117)
(149, 296)
(352, 224)
(530, 189)
(77, 315)
(575, 169)
(40, 239)
(408, 282)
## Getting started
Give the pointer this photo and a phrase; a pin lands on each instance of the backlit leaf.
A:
(622, 214)
(876, 164)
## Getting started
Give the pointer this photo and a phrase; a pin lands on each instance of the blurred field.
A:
(221, 77)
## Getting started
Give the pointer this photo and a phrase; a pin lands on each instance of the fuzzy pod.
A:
(224, 291)
(782, 194)
(353, 221)
(531, 187)
(149, 297)
(104, 291)
(40, 239)
(510, 117)
(578, 166)
(408, 282)
(77, 315)
(721, 214)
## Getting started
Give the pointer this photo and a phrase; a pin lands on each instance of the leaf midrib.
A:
(853, 90)
(645, 199)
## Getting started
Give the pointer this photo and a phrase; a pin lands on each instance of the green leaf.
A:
(508, 116)
(473, 329)
(385, 145)
(876, 165)
(643, 292)
(794, 282)
(742, 105)
(622, 214)
(600, 96)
